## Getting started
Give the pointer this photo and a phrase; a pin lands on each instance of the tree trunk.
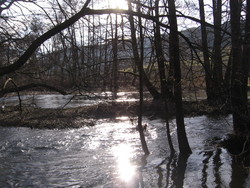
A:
(166, 94)
(240, 71)
(207, 64)
(106, 64)
(174, 53)
(148, 84)
(115, 60)
(218, 91)
(139, 63)
(160, 57)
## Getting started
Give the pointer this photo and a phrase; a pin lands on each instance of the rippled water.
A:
(109, 155)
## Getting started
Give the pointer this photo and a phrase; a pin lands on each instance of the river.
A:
(68, 101)
(109, 155)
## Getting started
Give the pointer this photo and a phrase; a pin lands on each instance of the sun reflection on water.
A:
(126, 169)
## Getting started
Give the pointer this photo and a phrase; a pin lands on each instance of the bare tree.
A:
(36, 43)
(174, 53)
(139, 63)
(166, 94)
(115, 58)
(205, 50)
(218, 85)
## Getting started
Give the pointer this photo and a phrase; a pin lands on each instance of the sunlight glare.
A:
(122, 118)
(126, 170)
(118, 4)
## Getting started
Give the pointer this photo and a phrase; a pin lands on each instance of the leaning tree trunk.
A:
(174, 53)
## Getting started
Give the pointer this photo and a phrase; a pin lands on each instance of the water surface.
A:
(109, 155)
(69, 101)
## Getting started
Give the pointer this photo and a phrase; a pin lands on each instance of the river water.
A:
(69, 101)
(109, 154)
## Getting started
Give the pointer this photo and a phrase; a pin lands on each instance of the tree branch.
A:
(40, 40)
(30, 86)
(58, 28)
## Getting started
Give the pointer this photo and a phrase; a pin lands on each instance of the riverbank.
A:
(86, 116)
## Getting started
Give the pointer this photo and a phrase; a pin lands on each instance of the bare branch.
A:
(30, 86)
(40, 40)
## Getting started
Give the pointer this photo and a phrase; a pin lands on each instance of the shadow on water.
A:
(176, 169)
(209, 165)
(178, 179)
(109, 155)
(207, 155)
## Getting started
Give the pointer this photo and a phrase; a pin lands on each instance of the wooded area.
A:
(167, 47)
